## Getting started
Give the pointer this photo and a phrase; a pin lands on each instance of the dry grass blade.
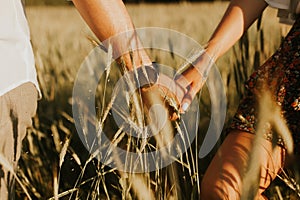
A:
(107, 69)
(55, 182)
(140, 187)
(269, 116)
(75, 156)
(270, 113)
(65, 193)
(4, 162)
(279, 193)
(56, 137)
(290, 182)
(63, 152)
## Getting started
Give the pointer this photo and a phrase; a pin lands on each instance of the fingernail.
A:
(185, 106)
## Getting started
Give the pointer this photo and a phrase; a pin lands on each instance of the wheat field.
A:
(55, 164)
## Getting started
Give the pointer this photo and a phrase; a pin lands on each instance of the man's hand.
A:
(166, 93)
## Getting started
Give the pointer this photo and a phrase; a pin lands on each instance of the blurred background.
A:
(64, 2)
(55, 164)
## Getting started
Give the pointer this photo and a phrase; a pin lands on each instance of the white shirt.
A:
(286, 9)
(16, 56)
(281, 4)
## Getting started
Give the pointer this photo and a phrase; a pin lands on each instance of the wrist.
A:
(204, 62)
(213, 50)
(145, 76)
(133, 60)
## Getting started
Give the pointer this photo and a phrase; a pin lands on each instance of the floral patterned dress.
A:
(280, 75)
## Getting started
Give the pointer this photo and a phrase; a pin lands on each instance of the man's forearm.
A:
(108, 18)
(105, 17)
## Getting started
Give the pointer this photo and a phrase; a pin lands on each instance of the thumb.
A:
(187, 99)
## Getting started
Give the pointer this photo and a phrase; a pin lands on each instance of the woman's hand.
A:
(239, 15)
(193, 79)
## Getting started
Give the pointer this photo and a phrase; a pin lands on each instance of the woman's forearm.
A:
(238, 17)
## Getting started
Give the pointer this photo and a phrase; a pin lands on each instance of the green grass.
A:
(55, 162)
